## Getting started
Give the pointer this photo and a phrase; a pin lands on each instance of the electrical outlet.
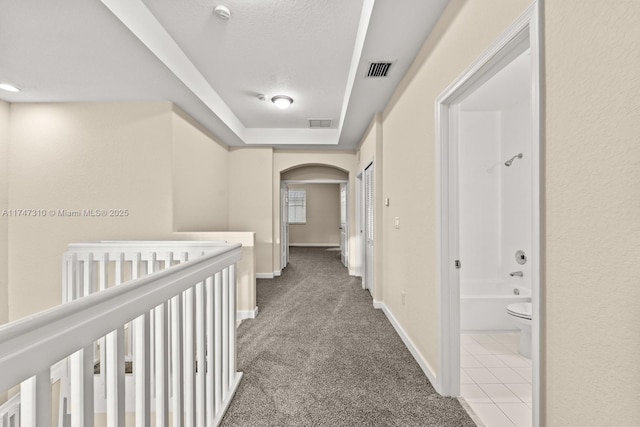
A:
(397, 222)
(402, 297)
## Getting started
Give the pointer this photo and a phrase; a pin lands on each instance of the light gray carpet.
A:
(319, 354)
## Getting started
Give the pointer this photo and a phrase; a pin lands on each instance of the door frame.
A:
(284, 225)
(365, 277)
(526, 29)
(344, 228)
(359, 248)
(286, 182)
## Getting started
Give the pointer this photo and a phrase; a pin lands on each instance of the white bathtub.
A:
(483, 306)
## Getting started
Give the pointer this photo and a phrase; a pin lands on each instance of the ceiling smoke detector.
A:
(223, 12)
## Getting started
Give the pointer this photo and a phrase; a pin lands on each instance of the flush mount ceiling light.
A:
(282, 101)
(8, 87)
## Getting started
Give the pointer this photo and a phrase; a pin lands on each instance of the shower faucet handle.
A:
(516, 273)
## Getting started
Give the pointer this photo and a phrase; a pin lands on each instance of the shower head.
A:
(508, 162)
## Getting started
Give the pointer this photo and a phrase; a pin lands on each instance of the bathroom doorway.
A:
(489, 140)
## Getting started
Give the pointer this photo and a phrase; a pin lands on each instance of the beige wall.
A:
(144, 157)
(285, 160)
(465, 30)
(4, 204)
(250, 200)
(592, 215)
(200, 178)
(323, 216)
(82, 156)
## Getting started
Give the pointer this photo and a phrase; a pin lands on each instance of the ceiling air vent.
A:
(379, 68)
(319, 123)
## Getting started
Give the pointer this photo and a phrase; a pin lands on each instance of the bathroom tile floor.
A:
(495, 380)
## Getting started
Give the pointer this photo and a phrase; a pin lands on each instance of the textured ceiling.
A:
(315, 51)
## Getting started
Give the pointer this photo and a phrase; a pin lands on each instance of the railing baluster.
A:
(232, 324)
(88, 285)
(225, 332)
(151, 267)
(200, 356)
(119, 271)
(217, 336)
(81, 387)
(135, 274)
(189, 358)
(115, 378)
(161, 365)
(102, 342)
(141, 370)
(176, 359)
(75, 271)
(35, 405)
(66, 278)
(211, 359)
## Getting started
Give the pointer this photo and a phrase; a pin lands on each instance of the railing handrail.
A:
(120, 244)
(35, 343)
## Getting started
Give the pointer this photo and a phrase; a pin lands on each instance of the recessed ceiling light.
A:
(8, 87)
(282, 101)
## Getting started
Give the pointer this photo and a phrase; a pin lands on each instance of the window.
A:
(297, 206)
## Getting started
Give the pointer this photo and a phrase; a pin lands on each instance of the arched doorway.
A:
(322, 192)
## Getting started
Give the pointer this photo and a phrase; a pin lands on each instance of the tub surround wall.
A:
(515, 129)
(480, 195)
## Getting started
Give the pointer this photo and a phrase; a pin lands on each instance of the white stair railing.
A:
(91, 267)
(191, 361)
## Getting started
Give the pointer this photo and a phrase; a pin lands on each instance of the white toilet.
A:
(520, 314)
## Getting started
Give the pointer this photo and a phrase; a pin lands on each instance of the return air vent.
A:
(319, 123)
(379, 68)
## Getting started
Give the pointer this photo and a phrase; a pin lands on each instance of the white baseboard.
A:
(246, 314)
(316, 245)
(378, 304)
(426, 368)
(277, 273)
(264, 275)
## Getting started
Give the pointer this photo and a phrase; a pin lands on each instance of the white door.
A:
(368, 228)
(284, 225)
(344, 244)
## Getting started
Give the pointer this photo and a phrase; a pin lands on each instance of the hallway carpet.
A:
(319, 354)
